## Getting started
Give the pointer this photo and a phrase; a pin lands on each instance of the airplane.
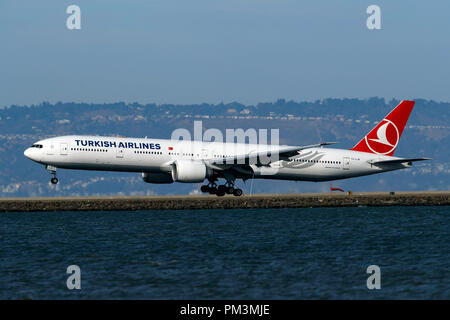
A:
(167, 161)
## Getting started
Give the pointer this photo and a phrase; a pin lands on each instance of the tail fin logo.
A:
(385, 139)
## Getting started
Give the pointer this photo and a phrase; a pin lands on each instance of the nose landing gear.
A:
(54, 179)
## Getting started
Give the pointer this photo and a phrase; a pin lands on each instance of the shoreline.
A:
(205, 202)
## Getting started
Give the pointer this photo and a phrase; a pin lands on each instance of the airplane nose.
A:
(27, 153)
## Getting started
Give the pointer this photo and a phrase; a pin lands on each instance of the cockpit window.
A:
(39, 146)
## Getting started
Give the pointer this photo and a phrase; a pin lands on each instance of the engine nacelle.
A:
(157, 177)
(189, 171)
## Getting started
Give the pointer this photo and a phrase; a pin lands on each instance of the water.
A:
(227, 254)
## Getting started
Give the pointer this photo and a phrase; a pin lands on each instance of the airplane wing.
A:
(397, 160)
(262, 158)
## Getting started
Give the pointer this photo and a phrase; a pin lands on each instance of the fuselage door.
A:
(205, 154)
(51, 149)
(63, 149)
(119, 153)
(346, 163)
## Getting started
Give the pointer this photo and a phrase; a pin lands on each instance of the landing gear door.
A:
(119, 153)
(346, 163)
(63, 149)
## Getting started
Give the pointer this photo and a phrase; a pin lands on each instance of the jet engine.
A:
(189, 171)
(157, 177)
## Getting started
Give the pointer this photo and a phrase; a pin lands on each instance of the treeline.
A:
(426, 111)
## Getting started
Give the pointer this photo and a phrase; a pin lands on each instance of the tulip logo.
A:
(384, 139)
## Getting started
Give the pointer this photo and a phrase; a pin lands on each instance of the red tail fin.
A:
(384, 138)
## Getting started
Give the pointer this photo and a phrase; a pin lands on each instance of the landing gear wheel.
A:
(213, 190)
(229, 190)
(52, 170)
(220, 193)
(237, 192)
(221, 188)
(210, 188)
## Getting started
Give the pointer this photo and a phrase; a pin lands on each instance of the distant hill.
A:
(343, 120)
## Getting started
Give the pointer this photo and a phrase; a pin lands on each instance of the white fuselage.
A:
(158, 156)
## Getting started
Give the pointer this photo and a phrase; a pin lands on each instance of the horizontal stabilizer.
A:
(398, 160)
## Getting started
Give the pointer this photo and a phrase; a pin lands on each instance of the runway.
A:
(205, 202)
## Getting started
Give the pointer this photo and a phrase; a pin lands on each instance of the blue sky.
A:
(194, 51)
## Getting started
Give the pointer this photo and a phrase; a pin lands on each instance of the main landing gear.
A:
(54, 179)
(221, 190)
